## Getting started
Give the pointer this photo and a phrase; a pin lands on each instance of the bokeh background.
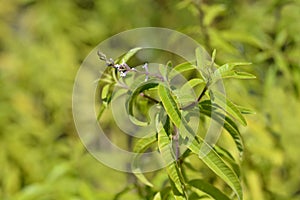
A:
(42, 44)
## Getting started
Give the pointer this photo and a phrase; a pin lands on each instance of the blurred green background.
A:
(42, 44)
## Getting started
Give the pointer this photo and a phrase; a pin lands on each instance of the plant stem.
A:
(179, 162)
(198, 100)
(148, 97)
(202, 93)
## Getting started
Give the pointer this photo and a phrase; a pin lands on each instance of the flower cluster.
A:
(122, 68)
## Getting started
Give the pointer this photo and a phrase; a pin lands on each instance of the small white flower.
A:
(123, 74)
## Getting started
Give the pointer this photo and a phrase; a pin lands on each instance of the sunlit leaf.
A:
(123, 192)
(217, 165)
(208, 189)
(141, 146)
(165, 70)
(131, 100)
(207, 108)
(157, 196)
(137, 172)
(204, 63)
(236, 75)
(189, 92)
(144, 143)
(213, 12)
(228, 107)
(226, 156)
(227, 68)
(106, 86)
(167, 153)
(245, 110)
(170, 104)
(128, 55)
(181, 68)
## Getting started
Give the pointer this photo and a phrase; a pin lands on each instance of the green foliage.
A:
(173, 129)
(42, 44)
(207, 188)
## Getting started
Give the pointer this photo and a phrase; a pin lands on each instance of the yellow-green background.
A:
(43, 42)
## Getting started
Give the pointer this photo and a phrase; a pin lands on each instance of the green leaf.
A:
(131, 100)
(141, 146)
(183, 67)
(179, 198)
(175, 182)
(167, 153)
(237, 75)
(157, 196)
(204, 63)
(165, 70)
(144, 143)
(187, 162)
(227, 68)
(228, 107)
(208, 189)
(128, 55)
(123, 192)
(245, 110)
(244, 38)
(226, 156)
(106, 87)
(166, 192)
(193, 82)
(212, 12)
(106, 93)
(196, 196)
(217, 165)
(169, 103)
(207, 108)
(137, 172)
(189, 91)
(281, 38)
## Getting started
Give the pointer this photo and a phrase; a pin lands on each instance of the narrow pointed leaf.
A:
(217, 165)
(181, 68)
(175, 181)
(180, 198)
(165, 193)
(208, 189)
(141, 146)
(229, 107)
(226, 156)
(144, 143)
(117, 196)
(169, 103)
(222, 70)
(245, 110)
(167, 153)
(137, 172)
(130, 103)
(190, 85)
(106, 94)
(207, 108)
(165, 70)
(128, 55)
(157, 196)
(237, 75)
(188, 93)
(203, 63)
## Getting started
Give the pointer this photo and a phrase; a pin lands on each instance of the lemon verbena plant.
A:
(185, 108)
